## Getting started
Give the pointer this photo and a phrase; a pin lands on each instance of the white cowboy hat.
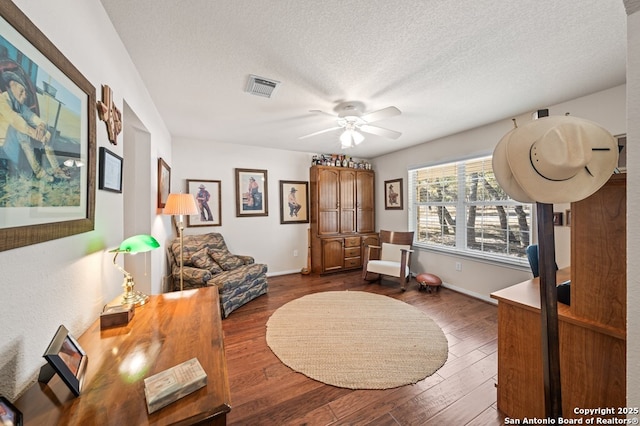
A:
(558, 159)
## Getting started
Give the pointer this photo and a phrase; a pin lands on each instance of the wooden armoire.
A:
(592, 330)
(342, 217)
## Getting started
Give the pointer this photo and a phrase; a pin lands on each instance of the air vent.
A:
(260, 86)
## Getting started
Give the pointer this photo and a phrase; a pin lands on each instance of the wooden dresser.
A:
(169, 329)
(342, 217)
(592, 331)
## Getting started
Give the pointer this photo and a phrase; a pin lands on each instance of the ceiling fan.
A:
(350, 116)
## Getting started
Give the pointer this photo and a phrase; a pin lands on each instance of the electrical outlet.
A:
(295, 253)
(458, 266)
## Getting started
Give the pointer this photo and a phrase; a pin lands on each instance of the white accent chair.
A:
(391, 258)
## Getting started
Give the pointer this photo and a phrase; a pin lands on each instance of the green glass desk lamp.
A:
(132, 245)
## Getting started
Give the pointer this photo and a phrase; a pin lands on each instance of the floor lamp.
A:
(180, 205)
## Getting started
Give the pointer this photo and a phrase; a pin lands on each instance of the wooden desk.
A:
(170, 329)
(592, 356)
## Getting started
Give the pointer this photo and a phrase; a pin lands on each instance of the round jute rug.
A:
(356, 340)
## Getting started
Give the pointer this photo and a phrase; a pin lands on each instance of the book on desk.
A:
(173, 383)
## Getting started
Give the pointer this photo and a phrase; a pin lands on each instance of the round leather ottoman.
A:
(428, 282)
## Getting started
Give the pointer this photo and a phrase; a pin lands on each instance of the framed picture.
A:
(251, 193)
(9, 415)
(47, 174)
(557, 218)
(567, 215)
(66, 358)
(294, 201)
(110, 174)
(622, 153)
(207, 195)
(393, 194)
(164, 182)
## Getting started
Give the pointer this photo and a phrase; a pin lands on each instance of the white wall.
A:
(67, 281)
(633, 206)
(262, 237)
(480, 278)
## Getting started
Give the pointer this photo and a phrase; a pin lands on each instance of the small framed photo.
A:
(393, 194)
(251, 193)
(567, 215)
(294, 201)
(207, 195)
(164, 182)
(110, 171)
(9, 415)
(66, 358)
(557, 218)
(622, 153)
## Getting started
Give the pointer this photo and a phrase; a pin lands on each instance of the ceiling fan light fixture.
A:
(350, 138)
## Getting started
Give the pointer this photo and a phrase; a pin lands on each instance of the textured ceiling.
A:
(447, 65)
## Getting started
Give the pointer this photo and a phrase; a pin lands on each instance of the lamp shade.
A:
(181, 204)
(137, 244)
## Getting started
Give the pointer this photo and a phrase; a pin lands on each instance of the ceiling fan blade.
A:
(380, 131)
(317, 111)
(381, 114)
(320, 132)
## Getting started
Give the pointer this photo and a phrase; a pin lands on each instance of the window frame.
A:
(460, 248)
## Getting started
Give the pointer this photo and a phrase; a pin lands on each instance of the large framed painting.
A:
(207, 195)
(251, 193)
(294, 201)
(47, 138)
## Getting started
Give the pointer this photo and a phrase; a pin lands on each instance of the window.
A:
(460, 207)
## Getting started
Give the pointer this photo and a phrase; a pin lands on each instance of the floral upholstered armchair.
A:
(208, 262)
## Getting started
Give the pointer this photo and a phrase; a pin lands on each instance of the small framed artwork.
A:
(65, 358)
(557, 218)
(393, 194)
(622, 153)
(164, 182)
(294, 201)
(207, 195)
(110, 171)
(567, 215)
(251, 193)
(9, 415)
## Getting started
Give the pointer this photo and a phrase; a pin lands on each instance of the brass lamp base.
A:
(136, 298)
(131, 296)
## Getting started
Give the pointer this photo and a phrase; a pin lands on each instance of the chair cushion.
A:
(386, 267)
(202, 260)
(226, 260)
(392, 252)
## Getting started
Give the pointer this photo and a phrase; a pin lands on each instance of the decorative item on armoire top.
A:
(208, 197)
(251, 193)
(164, 182)
(294, 201)
(66, 358)
(110, 114)
(110, 171)
(61, 199)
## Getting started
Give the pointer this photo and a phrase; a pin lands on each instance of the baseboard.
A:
(470, 293)
(275, 274)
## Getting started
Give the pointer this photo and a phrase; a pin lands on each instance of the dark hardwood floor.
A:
(266, 392)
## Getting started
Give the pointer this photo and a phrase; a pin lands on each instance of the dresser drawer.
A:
(352, 262)
(351, 252)
(352, 242)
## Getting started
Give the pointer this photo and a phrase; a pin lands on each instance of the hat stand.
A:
(549, 311)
